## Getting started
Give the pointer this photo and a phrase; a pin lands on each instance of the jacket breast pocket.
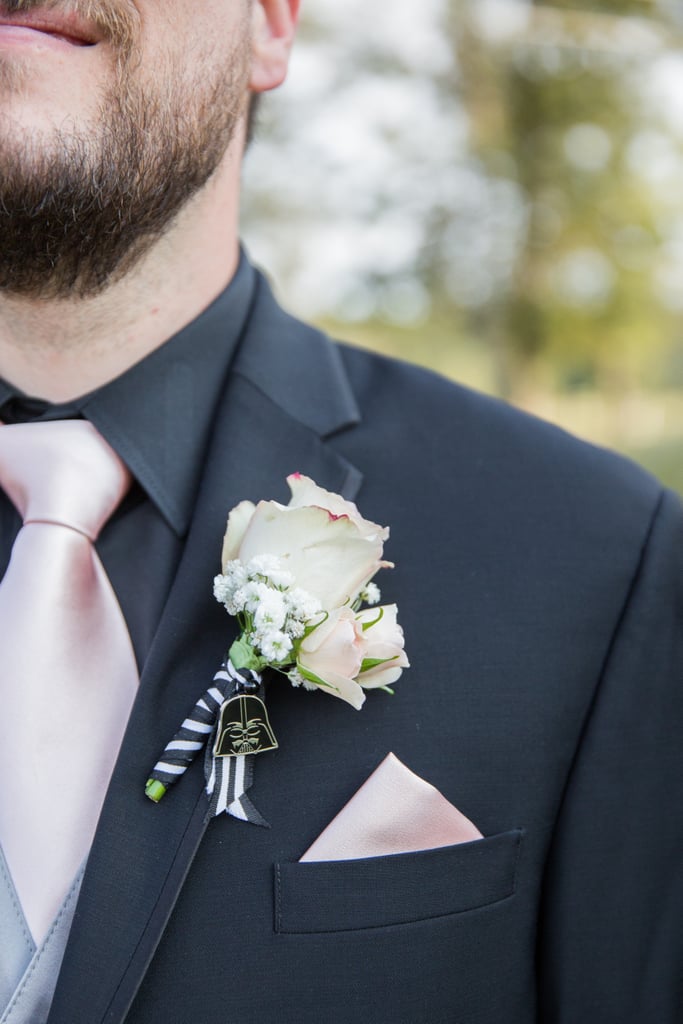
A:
(345, 895)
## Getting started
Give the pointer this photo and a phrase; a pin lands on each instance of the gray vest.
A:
(28, 973)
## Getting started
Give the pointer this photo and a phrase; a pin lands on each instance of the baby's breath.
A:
(275, 615)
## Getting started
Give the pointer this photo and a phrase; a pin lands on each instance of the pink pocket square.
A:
(394, 811)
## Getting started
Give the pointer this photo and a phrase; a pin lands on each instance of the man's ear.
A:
(274, 24)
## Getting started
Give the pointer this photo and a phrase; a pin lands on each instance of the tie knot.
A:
(61, 472)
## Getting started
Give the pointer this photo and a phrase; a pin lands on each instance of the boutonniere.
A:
(299, 580)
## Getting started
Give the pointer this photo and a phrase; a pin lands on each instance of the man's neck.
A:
(59, 350)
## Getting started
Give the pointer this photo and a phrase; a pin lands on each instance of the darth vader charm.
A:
(243, 728)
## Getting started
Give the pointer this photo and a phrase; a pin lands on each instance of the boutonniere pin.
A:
(298, 578)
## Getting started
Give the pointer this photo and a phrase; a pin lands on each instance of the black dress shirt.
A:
(158, 416)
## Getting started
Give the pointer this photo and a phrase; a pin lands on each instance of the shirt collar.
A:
(158, 414)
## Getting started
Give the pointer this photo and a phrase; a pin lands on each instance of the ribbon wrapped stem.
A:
(227, 778)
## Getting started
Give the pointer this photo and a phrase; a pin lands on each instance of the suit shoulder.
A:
(461, 438)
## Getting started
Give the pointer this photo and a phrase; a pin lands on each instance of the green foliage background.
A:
(547, 264)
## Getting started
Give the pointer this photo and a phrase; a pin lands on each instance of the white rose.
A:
(383, 644)
(321, 539)
(306, 493)
(333, 654)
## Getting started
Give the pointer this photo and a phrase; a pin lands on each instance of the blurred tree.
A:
(644, 8)
(564, 100)
(495, 169)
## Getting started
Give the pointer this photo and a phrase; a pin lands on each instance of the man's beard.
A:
(80, 207)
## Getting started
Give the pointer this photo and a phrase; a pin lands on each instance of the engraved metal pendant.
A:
(243, 728)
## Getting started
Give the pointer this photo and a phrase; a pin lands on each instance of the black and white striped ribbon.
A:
(227, 778)
(227, 782)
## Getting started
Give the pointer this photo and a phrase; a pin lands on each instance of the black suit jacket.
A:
(540, 585)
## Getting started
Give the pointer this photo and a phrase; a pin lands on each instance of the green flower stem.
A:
(154, 790)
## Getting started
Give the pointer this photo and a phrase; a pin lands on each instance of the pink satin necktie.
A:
(68, 675)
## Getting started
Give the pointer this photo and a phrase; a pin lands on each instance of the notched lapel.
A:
(142, 852)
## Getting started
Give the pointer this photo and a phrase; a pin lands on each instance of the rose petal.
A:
(238, 521)
(383, 641)
(383, 675)
(333, 648)
(344, 688)
(305, 492)
(328, 557)
(384, 628)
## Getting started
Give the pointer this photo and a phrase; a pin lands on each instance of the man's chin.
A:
(15, 73)
(92, 177)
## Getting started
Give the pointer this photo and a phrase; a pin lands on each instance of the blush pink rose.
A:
(382, 644)
(332, 655)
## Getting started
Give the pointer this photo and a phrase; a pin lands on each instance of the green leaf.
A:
(243, 655)
(369, 663)
(369, 625)
(313, 678)
(309, 629)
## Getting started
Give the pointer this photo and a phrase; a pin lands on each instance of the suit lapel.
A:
(287, 392)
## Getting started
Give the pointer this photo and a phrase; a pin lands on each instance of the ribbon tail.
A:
(244, 810)
(227, 780)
